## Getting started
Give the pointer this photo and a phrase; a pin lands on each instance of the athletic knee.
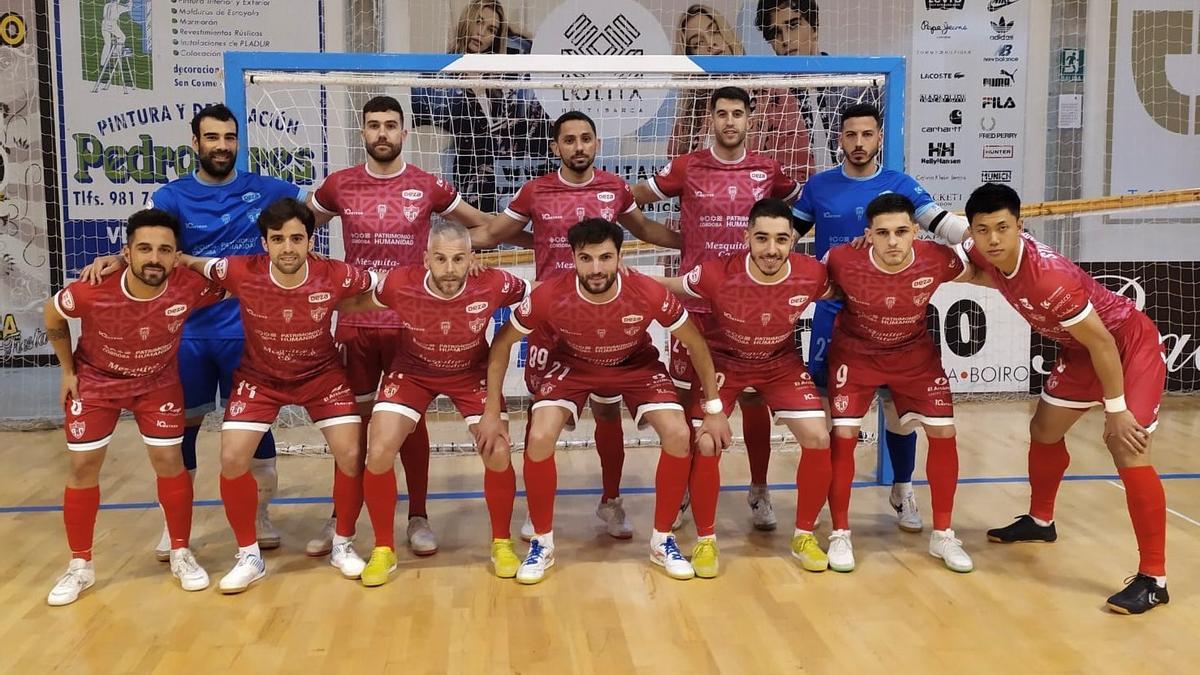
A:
(813, 438)
(1041, 431)
(675, 440)
(85, 469)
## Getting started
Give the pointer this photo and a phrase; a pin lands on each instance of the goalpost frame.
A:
(241, 66)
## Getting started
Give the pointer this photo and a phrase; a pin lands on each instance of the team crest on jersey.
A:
(477, 307)
(758, 175)
(922, 282)
(67, 300)
(237, 408)
(841, 402)
(319, 297)
(580, 213)
(173, 327)
(381, 210)
(477, 325)
(680, 367)
(732, 190)
(605, 196)
(318, 313)
(765, 318)
(287, 315)
(608, 214)
(77, 429)
(445, 326)
(412, 195)
(797, 300)
(632, 318)
(889, 301)
(144, 332)
(175, 310)
(546, 388)
(859, 212)
(601, 332)
(759, 192)
(920, 299)
(389, 390)
(411, 212)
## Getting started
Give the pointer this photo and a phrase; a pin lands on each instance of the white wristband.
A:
(713, 407)
(1115, 405)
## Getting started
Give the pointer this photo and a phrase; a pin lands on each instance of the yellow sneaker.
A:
(381, 564)
(504, 559)
(704, 558)
(806, 549)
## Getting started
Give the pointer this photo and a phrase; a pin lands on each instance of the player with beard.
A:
(144, 308)
(384, 206)
(716, 188)
(551, 204)
(599, 316)
(443, 351)
(835, 201)
(217, 207)
(287, 302)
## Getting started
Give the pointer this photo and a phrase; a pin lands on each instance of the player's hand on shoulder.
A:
(101, 267)
(858, 243)
(1123, 429)
(477, 267)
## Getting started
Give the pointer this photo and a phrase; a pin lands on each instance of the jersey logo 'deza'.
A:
(631, 318)
(175, 310)
(477, 307)
(922, 282)
(319, 297)
(758, 175)
(605, 196)
(797, 300)
(412, 194)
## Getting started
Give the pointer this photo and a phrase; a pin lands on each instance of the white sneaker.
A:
(527, 532)
(420, 536)
(163, 550)
(681, 517)
(665, 552)
(249, 569)
(612, 512)
(904, 502)
(80, 576)
(321, 544)
(762, 514)
(346, 559)
(539, 559)
(190, 574)
(943, 544)
(268, 536)
(841, 551)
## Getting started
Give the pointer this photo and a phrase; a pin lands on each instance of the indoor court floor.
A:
(1027, 608)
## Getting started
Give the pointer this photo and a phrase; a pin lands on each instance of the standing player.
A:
(1110, 352)
(218, 208)
(835, 201)
(385, 206)
(716, 188)
(599, 316)
(287, 301)
(756, 298)
(881, 340)
(443, 350)
(552, 203)
(125, 360)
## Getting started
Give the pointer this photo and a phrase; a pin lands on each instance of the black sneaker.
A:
(1024, 528)
(1141, 595)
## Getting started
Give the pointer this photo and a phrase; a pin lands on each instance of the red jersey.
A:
(127, 345)
(1051, 292)
(605, 334)
(385, 220)
(751, 321)
(884, 311)
(554, 205)
(715, 197)
(445, 335)
(288, 338)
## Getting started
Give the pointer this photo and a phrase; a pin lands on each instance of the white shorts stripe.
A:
(779, 415)
(245, 426)
(909, 418)
(398, 408)
(559, 403)
(640, 414)
(605, 399)
(1064, 403)
(335, 421)
(162, 442)
(93, 445)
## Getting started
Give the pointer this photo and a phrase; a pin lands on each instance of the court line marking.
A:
(595, 492)
(1169, 510)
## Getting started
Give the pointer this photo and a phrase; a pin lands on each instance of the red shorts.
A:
(539, 346)
(326, 397)
(641, 382)
(90, 421)
(682, 372)
(914, 376)
(367, 354)
(783, 383)
(410, 395)
(1073, 382)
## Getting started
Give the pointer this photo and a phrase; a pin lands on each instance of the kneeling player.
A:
(756, 298)
(442, 350)
(599, 317)
(1110, 351)
(145, 306)
(880, 340)
(287, 299)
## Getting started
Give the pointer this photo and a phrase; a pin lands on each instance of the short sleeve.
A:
(667, 311)
(520, 208)
(73, 301)
(513, 289)
(783, 186)
(207, 292)
(1064, 298)
(325, 198)
(163, 199)
(699, 280)
(670, 180)
(625, 201)
(951, 265)
(803, 209)
(221, 270)
(385, 292)
(443, 197)
(352, 280)
(527, 317)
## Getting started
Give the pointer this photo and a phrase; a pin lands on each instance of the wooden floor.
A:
(604, 608)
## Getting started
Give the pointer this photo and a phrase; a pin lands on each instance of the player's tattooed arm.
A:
(58, 333)
(649, 230)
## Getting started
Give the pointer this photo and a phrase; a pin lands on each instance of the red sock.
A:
(414, 457)
(175, 496)
(240, 496)
(1148, 510)
(610, 445)
(541, 484)
(499, 491)
(705, 487)
(379, 492)
(670, 482)
(756, 430)
(1047, 464)
(842, 465)
(80, 506)
(941, 469)
(347, 501)
(813, 476)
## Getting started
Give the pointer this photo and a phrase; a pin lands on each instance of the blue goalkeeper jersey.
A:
(837, 204)
(217, 221)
